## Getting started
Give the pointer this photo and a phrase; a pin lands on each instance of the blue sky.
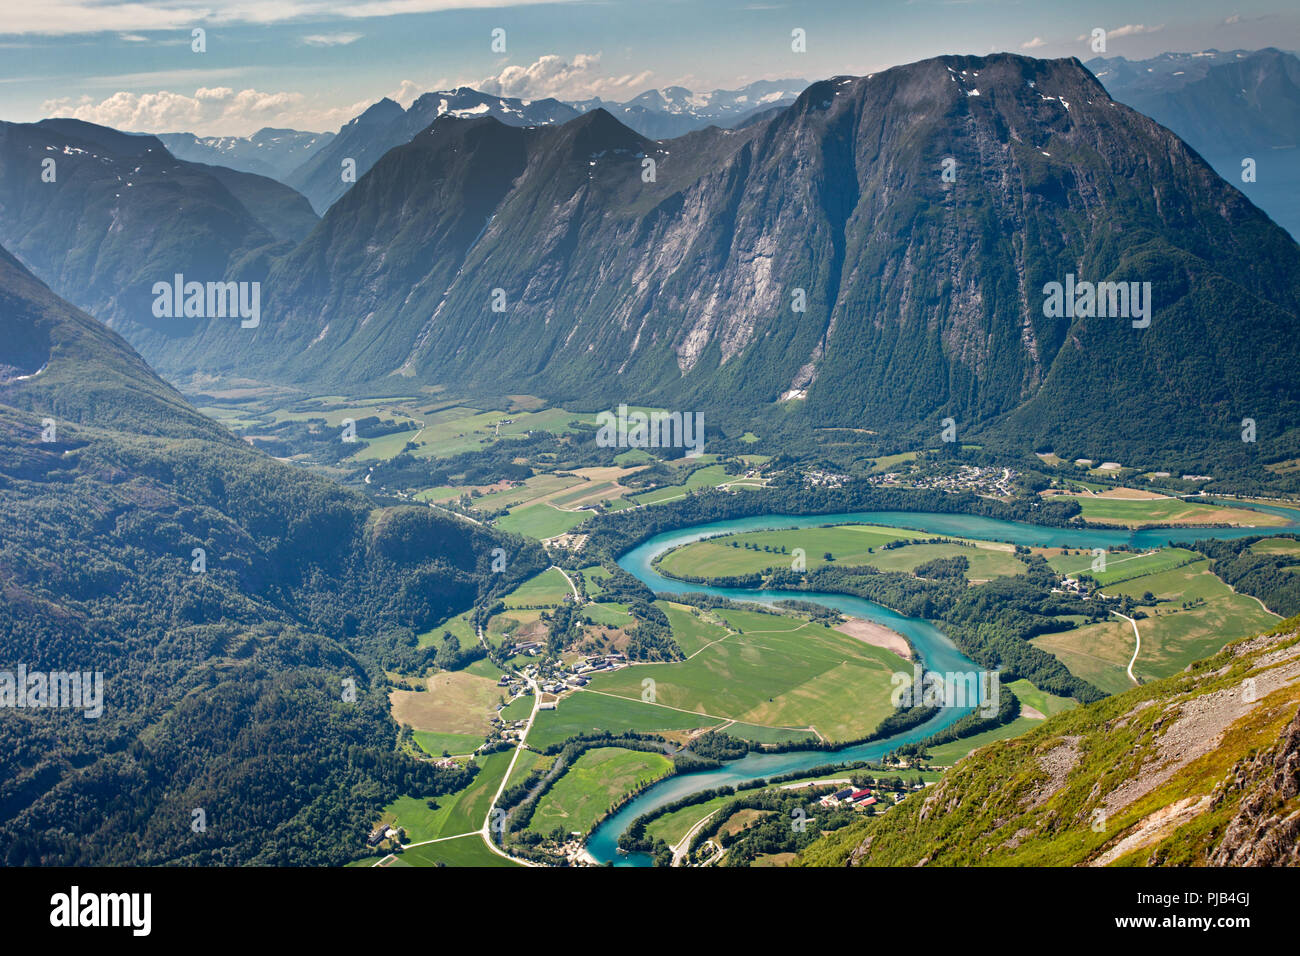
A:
(313, 64)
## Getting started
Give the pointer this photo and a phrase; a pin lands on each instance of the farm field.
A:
(541, 521)
(583, 712)
(456, 702)
(461, 812)
(1047, 704)
(672, 827)
(548, 588)
(709, 476)
(1277, 546)
(715, 557)
(1172, 636)
(780, 672)
(1121, 565)
(434, 744)
(848, 544)
(592, 784)
(954, 750)
(1110, 509)
(465, 851)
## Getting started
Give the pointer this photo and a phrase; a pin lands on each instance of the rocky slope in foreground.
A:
(1198, 769)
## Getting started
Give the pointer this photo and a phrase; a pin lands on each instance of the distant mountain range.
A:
(657, 114)
(268, 152)
(1228, 106)
(675, 111)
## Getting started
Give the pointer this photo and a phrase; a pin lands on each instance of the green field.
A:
(612, 614)
(517, 709)
(715, 557)
(1121, 565)
(1172, 637)
(848, 544)
(1046, 704)
(465, 851)
(434, 744)
(691, 631)
(548, 588)
(780, 672)
(597, 779)
(583, 713)
(672, 827)
(709, 476)
(541, 521)
(461, 812)
(1137, 511)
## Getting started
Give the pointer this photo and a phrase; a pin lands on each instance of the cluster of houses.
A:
(824, 479)
(850, 797)
(974, 478)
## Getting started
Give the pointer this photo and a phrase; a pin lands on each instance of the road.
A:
(572, 587)
(486, 831)
(1137, 646)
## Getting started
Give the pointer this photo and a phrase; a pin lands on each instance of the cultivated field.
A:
(591, 786)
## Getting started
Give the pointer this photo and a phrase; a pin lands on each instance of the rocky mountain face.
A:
(270, 152)
(386, 125)
(1194, 770)
(1228, 106)
(102, 216)
(918, 218)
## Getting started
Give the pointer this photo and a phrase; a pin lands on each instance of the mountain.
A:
(925, 299)
(122, 214)
(1201, 769)
(675, 111)
(385, 125)
(655, 114)
(1228, 106)
(222, 688)
(273, 153)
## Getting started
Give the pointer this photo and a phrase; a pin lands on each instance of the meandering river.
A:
(933, 646)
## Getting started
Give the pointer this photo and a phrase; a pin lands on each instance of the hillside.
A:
(924, 298)
(121, 213)
(1198, 769)
(223, 680)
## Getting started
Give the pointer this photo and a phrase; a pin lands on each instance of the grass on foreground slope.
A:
(1086, 786)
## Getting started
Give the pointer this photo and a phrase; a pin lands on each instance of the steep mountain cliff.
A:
(925, 296)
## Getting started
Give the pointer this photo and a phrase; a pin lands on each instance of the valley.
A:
(564, 472)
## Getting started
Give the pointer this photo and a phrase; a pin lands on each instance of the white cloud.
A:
(69, 17)
(1132, 29)
(1033, 44)
(211, 110)
(331, 39)
(552, 75)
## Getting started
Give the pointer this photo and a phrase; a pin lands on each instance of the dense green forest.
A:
(239, 610)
